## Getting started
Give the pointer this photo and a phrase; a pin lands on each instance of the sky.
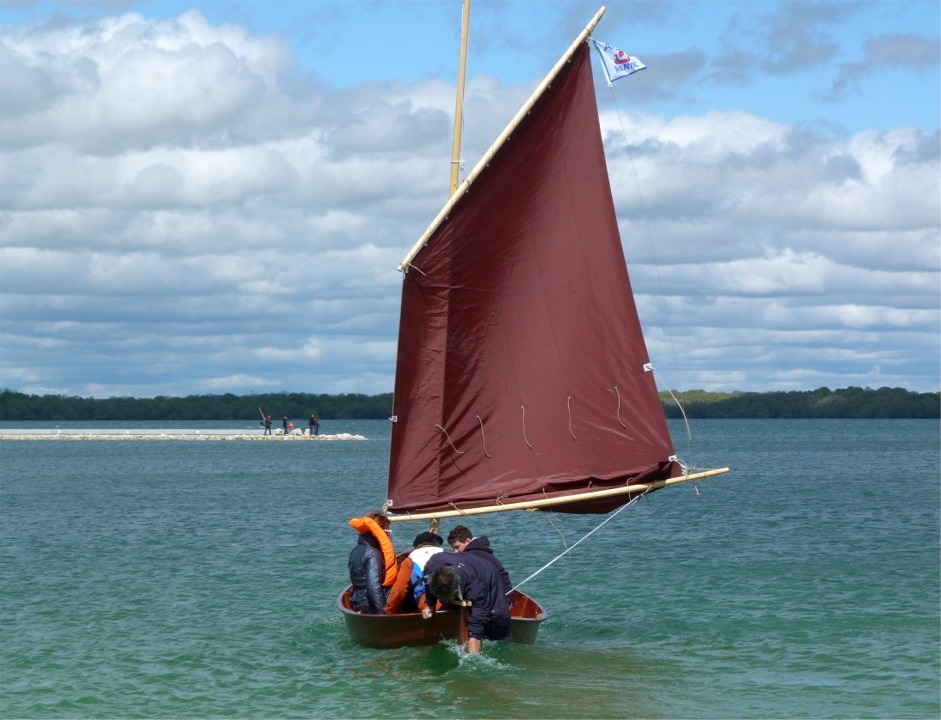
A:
(213, 197)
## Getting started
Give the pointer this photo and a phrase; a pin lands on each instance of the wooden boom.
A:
(548, 502)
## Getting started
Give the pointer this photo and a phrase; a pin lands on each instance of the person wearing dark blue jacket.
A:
(367, 568)
(463, 579)
(461, 539)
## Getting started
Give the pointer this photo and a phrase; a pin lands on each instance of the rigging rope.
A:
(585, 537)
(689, 433)
(656, 263)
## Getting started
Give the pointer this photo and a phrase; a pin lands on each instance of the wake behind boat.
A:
(522, 379)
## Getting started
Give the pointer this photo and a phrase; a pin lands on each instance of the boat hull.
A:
(411, 629)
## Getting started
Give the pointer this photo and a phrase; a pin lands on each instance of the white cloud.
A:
(182, 212)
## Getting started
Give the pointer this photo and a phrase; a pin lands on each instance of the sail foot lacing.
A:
(496, 501)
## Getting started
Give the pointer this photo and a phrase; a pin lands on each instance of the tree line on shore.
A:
(852, 402)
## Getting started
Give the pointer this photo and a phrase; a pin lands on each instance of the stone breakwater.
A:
(198, 436)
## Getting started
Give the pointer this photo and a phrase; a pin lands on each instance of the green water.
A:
(198, 579)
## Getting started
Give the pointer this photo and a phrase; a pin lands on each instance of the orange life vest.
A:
(364, 525)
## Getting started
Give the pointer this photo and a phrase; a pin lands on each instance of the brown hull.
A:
(410, 629)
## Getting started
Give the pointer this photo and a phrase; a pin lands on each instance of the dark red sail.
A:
(521, 362)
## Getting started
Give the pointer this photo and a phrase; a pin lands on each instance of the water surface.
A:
(179, 579)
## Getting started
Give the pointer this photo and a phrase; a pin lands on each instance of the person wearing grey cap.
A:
(408, 592)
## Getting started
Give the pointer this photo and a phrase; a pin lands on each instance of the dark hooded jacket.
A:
(489, 615)
(367, 568)
(480, 546)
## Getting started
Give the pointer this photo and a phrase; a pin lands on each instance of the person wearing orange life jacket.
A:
(372, 564)
(408, 592)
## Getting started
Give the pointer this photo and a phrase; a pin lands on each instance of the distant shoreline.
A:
(822, 403)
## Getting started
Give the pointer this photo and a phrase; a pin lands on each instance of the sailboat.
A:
(523, 380)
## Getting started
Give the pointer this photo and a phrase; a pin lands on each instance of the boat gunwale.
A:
(524, 627)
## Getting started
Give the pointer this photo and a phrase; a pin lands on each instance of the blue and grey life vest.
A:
(419, 558)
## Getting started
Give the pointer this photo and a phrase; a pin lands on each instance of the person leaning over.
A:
(466, 580)
(372, 564)
(408, 592)
(461, 539)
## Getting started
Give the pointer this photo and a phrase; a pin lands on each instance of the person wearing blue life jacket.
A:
(408, 592)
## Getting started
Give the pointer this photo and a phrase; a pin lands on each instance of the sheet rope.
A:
(582, 539)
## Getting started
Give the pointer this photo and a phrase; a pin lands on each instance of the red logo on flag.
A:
(622, 58)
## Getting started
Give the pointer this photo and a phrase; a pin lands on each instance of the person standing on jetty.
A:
(267, 425)
(284, 424)
(314, 424)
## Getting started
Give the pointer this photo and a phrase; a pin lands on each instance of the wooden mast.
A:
(485, 160)
(459, 101)
(433, 522)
